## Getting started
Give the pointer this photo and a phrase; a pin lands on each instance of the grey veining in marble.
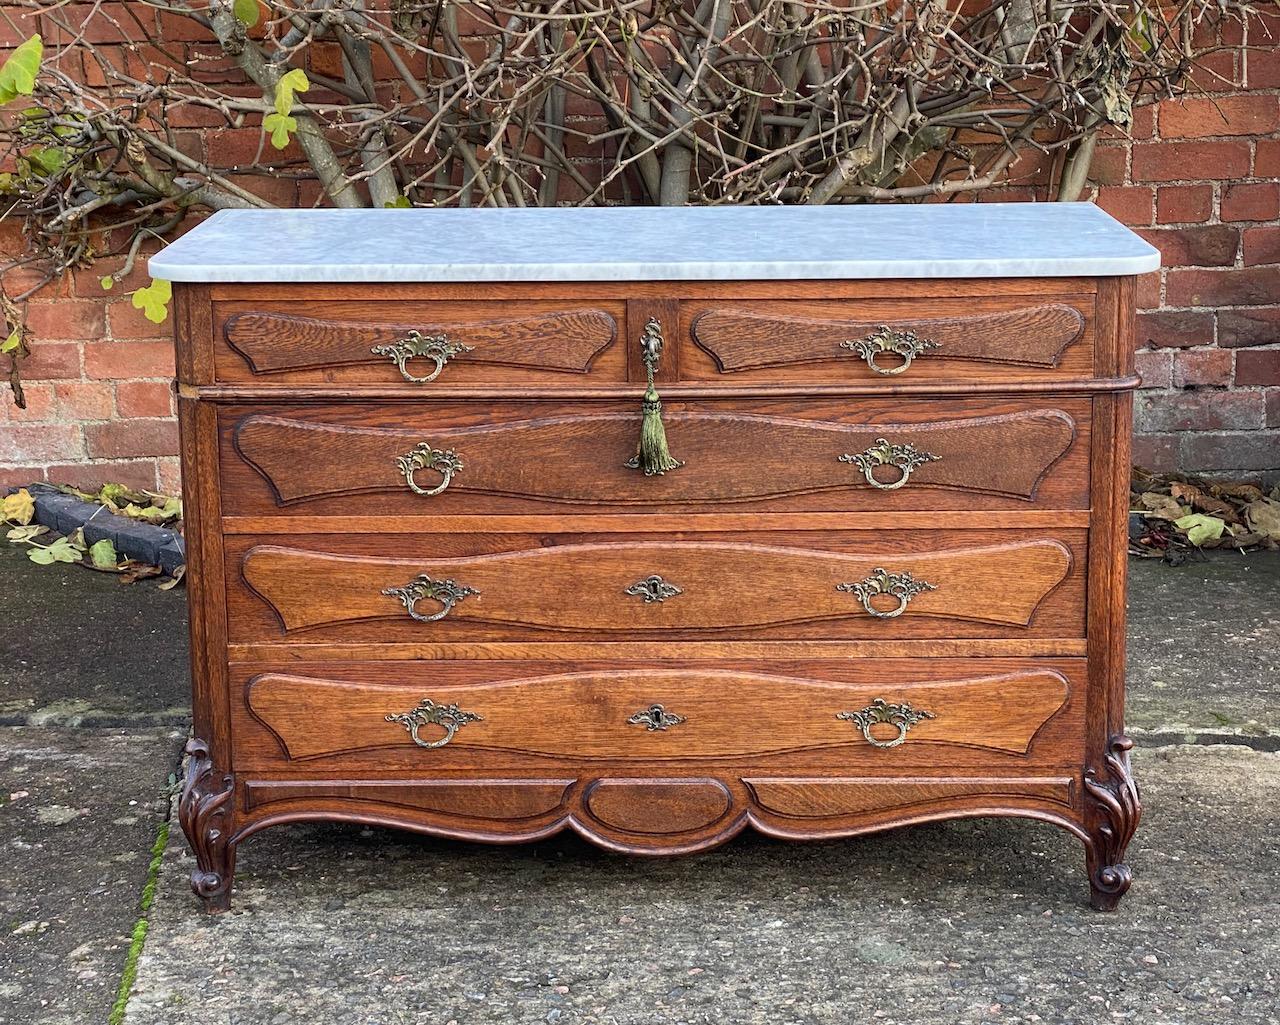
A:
(654, 244)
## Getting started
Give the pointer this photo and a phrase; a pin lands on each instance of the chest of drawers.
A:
(878, 581)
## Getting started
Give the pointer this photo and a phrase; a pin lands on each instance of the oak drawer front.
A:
(889, 715)
(419, 344)
(389, 588)
(501, 457)
(898, 341)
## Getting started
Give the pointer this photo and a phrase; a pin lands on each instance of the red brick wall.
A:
(1198, 177)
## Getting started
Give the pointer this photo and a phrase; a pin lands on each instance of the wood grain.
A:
(725, 586)
(818, 797)
(728, 714)
(734, 455)
(977, 338)
(567, 342)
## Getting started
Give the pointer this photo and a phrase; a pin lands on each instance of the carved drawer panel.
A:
(418, 344)
(823, 455)
(793, 584)
(895, 341)
(892, 715)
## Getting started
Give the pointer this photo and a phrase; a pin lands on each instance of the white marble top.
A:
(651, 244)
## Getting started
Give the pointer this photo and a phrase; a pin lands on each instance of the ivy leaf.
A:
(399, 203)
(246, 11)
(108, 283)
(153, 300)
(11, 343)
(103, 554)
(279, 125)
(19, 507)
(18, 73)
(291, 82)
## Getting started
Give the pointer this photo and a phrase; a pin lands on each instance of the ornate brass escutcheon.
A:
(450, 717)
(437, 348)
(653, 589)
(447, 592)
(904, 458)
(889, 340)
(655, 717)
(902, 716)
(443, 461)
(902, 586)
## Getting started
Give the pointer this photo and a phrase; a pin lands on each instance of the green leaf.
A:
(108, 283)
(60, 551)
(279, 125)
(19, 507)
(103, 554)
(1201, 528)
(19, 534)
(18, 73)
(399, 203)
(291, 82)
(246, 11)
(153, 300)
(11, 343)
(120, 494)
(49, 160)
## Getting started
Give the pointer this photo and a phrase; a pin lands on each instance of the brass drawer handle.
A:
(451, 717)
(902, 586)
(655, 717)
(443, 461)
(437, 348)
(653, 589)
(447, 592)
(902, 716)
(888, 340)
(904, 458)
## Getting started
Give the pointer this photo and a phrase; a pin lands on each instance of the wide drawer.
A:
(883, 714)
(400, 588)
(418, 344)
(504, 457)
(903, 341)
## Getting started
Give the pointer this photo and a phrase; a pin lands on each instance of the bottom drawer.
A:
(887, 715)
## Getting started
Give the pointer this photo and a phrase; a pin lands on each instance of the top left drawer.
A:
(418, 344)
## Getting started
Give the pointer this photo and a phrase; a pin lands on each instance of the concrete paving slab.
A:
(1204, 650)
(80, 648)
(79, 812)
(963, 922)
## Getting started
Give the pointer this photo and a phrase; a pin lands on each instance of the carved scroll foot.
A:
(1115, 809)
(204, 812)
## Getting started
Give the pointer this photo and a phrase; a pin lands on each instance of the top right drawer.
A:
(997, 339)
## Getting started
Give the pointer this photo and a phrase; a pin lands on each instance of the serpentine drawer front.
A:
(656, 525)
(742, 455)
(416, 720)
(878, 585)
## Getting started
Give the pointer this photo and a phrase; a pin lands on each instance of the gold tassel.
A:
(652, 455)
